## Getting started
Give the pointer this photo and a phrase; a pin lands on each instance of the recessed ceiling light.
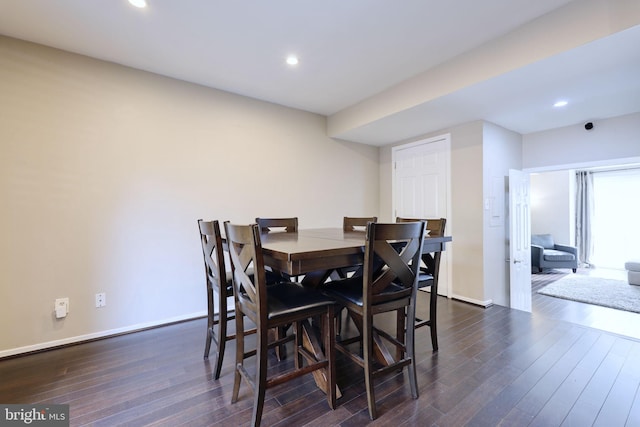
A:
(138, 3)
(560, 104)
(292, 60)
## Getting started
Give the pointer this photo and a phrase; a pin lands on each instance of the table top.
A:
(313, 242)
(322, 248)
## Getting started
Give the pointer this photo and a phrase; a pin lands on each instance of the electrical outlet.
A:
(101, 299)
(62, 307)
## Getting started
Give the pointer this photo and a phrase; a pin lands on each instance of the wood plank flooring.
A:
(495, 366)
(604, 318)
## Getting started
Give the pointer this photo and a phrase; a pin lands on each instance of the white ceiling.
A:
(349, 50)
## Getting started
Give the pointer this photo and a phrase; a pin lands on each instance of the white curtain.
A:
(584, 216)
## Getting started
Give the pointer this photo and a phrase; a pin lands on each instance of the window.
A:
(616, 220)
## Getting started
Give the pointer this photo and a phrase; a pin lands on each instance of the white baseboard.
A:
(484, 304)
(96, 335)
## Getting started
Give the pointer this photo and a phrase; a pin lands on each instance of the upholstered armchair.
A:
(545, 253)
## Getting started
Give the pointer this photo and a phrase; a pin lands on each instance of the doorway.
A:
(420, 183)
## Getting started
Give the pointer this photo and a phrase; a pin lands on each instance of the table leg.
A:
(380, 350)
(312, 344)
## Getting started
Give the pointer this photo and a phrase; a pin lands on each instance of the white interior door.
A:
(421, 189)
(519, 241)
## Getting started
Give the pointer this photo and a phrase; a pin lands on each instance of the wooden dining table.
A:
(316, 254)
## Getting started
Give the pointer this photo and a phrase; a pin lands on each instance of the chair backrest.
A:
(350, 223)
(436, 228)
(392, 260)
(544, 240)
(290, 225)
(245, 251)
(214, 267)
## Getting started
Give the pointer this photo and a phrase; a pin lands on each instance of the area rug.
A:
(616, 294)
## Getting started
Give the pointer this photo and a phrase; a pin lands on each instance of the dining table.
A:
(316, 254)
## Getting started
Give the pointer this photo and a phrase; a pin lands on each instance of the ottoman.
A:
(633, 272)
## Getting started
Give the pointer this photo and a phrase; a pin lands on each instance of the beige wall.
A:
(502, 150)
(466, 221)
(481, 153)
(104, 171)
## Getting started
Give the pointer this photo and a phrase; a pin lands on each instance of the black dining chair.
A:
(388, 284)
(351, 223)
(220, 303)
(287, 225)
(428, 276)
(270, 307)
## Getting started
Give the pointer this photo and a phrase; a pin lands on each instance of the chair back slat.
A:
(289, 225)
(211, 242)
(245, 250)
(392, 255)
(436, 228)
(350, 223)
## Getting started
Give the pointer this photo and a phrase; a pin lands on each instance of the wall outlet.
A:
(61, 307)
(101, 299)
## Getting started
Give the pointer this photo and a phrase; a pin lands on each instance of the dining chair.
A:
(220, 303)
(271, 307)
(428, 276)
(351, 223)
(289, 225)
(388, 284)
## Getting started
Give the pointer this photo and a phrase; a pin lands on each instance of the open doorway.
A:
(553, 212)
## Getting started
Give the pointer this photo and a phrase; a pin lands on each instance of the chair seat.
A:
(287, 298)
(270, 276)
(554, 255)
(350, 290)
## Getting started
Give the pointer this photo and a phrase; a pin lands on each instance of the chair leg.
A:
(211, 324)
(281, 350)
(367, 343)
(339, 321)
(237, 378)
(207, 343)
(411, 350)
(297, 343)
(330, 354)
(221, 344)
(433, 304)
(400, 331)
(261, 378)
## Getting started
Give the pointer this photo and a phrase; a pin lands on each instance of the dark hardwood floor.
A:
(495, 366)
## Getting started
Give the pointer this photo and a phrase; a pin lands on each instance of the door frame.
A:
(446, 140)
